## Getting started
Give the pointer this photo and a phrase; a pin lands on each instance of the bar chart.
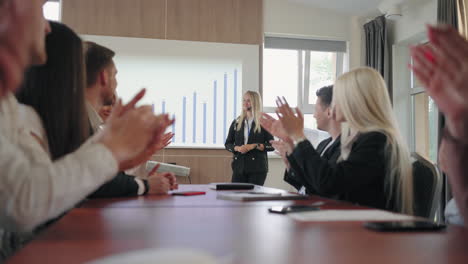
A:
(224, 106)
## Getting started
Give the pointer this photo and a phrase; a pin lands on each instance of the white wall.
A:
(287, 18)
(415, 15)
(409, 30)
(291, 18)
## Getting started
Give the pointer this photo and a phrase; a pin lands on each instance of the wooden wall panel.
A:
(231, 21)
(125, 18)
(206, 165)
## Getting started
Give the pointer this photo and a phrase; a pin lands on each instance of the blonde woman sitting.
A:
(374, 167)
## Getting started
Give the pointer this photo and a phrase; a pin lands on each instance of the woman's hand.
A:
(293, 123)
(443, 71)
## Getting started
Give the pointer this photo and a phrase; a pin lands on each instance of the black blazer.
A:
(359, 179)
(331, 154)
(254, 161)
(120, 186)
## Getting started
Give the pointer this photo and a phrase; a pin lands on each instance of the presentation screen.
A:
(200, 84)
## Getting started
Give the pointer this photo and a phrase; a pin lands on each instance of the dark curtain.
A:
(447, 13)
(377, 51)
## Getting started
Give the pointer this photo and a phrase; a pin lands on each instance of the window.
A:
(51, 10)
(425, 122)
(296, 68)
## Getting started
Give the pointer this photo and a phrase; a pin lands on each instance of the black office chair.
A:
(427, 186)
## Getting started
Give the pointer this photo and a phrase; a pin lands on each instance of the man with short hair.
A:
(101, 86)
(329, 148)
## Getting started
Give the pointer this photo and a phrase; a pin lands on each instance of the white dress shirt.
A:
(247, 129)
(32, 191)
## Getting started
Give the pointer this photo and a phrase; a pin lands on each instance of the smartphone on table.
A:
(292, 209)
(404, 226)
(188, 193)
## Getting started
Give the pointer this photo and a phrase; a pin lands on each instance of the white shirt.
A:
(247, 129)
(32, 192)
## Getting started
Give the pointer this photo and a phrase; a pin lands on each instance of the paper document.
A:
(349, 215)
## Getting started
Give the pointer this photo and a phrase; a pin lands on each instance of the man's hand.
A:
(133, 134)
(292, 122)
(273, 126)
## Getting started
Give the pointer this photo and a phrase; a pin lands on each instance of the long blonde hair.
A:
(362, 96)
(256, 103)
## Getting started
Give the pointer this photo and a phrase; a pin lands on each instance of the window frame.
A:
(416, 89)
(303, 84)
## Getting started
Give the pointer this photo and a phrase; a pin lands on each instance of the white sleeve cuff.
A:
(141, 186)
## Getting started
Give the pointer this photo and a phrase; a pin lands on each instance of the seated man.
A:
(329, 148)
(101, 88)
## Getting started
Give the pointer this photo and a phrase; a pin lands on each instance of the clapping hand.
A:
(283, 149)
(133, 133)
(443, 70)
(273, 126)
(292, 122)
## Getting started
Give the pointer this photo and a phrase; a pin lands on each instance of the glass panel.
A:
(280, 76)
(310, 122)
(322, 72)
(425, 126)
(414, 81)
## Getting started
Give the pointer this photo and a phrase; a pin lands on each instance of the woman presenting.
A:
(249, 143)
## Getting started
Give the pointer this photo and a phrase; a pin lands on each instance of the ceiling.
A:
(350, 7)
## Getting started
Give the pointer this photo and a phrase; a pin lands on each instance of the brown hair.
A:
(56, 91)
(97, 58)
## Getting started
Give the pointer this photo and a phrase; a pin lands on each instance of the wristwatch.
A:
(257, 146)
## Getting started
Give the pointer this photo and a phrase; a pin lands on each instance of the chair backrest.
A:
(427, 188)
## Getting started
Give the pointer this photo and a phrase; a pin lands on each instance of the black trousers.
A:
(254, 178)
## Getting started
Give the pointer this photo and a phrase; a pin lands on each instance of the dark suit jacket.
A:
(359, 179)
(120, 186)
(254, 161)
(331, 155)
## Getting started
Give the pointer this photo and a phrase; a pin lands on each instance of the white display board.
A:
(199, 83)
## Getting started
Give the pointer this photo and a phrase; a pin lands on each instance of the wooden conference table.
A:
(241, 231)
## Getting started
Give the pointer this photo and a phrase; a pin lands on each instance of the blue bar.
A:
(152, 107)
(194, 117)
(163, 107)
(215, 88)
(225, 107)
(173, 128)
(184, 118)
(235, 93)
(204, 123)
